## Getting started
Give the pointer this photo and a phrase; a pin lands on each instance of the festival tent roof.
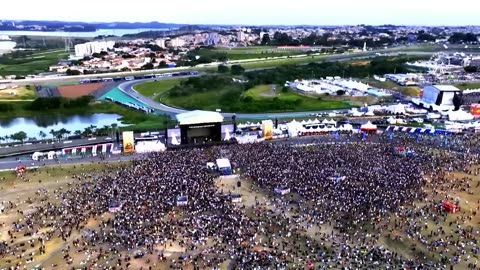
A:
(397, 109)
(346, 127)
(368, 126)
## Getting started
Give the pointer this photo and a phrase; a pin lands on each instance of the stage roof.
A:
(446, 88)
(199, 117)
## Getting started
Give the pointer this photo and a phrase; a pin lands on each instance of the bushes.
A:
(6, 107)
(55, 103)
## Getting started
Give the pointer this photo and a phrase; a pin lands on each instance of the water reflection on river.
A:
(33, 126)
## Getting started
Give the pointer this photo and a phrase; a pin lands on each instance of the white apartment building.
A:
(160, 43)
(177, 42)
(89, 48)
(241, 36)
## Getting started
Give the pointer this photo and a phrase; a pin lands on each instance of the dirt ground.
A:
(78, 90)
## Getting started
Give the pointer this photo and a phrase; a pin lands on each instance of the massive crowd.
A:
(341, 204)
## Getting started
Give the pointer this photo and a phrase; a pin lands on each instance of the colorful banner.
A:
(128, 142)
(267, 129)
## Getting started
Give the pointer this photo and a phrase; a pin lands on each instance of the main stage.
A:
(200, 127)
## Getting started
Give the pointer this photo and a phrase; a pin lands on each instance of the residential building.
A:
(89, 48)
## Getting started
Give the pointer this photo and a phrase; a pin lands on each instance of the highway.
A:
(334, 57)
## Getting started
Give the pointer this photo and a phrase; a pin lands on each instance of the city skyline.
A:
(249, 12)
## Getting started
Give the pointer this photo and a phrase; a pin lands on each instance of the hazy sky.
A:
(288, 12)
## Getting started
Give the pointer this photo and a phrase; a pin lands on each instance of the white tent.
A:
(316, 121)
(346, 127)
(149, 146)
(460, 116)
(332, 122)
(368, 127)
(397, 109)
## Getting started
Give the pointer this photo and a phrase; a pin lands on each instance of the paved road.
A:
(60, 78)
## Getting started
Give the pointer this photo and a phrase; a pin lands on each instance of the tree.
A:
(147, 66)
(223, 69)
(470, 69)
(265, 39)
(53, 133)
(42, 135)
(73, 72)
(237, 70)
(77, 132)
(19, 136)
(285, 89)
(162, 64)
(340, 92)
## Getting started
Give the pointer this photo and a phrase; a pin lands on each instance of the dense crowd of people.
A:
(341, 203)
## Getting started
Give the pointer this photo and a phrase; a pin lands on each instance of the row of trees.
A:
(62, 133)
(234, 70)
(283, 39)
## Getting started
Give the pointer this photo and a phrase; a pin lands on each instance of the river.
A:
(45, 123)
(105, 32)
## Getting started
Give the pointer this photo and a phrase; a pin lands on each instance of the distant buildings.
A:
(160, 43)
(241, 36)
(177, 42)
(89, 48)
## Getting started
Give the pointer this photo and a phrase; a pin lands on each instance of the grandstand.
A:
(118, 96)
(47, 91)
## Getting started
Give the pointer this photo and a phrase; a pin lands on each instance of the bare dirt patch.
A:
(78, 90)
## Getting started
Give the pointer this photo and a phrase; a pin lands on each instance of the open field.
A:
(264, 90)
(24, 92)
(288, 101)
(155, 88)
(25, 64)
(255, 53)
(464, 86)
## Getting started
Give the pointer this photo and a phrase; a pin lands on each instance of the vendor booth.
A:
(368, 128)
(224, 166)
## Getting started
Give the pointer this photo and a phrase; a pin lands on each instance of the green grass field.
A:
(212, 100)
(255, 52)
(34, 63)
(464, 86)
(154, 88)
(259, 90)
